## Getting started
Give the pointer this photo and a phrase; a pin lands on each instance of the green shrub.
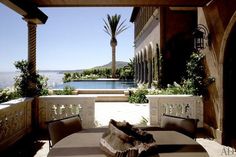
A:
(193, 83)
(139, 95)
(67, 77)
(196, 73)
(67, 90)
(126, 72)
(8, 94)
(23, 81)
(89, 77)
(176, 88)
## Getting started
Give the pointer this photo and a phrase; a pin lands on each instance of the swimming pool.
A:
(99, 84)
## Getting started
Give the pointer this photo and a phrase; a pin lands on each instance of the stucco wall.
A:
(151, 35)
(178, 21)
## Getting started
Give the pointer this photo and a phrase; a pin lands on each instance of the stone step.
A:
(109, 97)
(101, 91)
(112, 98)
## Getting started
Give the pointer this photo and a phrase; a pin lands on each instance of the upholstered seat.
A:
(61, 128)
(187, 126)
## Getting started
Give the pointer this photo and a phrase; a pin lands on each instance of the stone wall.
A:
(216, 17)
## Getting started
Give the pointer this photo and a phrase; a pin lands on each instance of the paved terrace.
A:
(37, 146)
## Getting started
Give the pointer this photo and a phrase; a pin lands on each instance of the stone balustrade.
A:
(179, 105)
(60, 106)
(15, 120)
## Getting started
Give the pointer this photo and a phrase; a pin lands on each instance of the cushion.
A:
(187, 126)
(122, 139)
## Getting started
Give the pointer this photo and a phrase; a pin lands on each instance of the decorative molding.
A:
(15, 121)
(57, 107)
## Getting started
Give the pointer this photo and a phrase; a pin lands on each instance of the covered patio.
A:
(25, 117)
(37, 145)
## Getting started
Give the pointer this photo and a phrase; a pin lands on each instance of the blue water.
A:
(55, 82)
(7, 78)
(99, 84)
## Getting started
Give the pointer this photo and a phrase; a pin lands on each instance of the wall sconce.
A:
(210, 80)
(199, 36)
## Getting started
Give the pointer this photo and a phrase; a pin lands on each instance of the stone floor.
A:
(136, 114)
(37, 146)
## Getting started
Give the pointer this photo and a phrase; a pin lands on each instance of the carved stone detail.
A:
(57, 107)
(178, 105)
(15, 120)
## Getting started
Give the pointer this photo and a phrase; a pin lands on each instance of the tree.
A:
(22, 81)
(127, 72)
(114, 27)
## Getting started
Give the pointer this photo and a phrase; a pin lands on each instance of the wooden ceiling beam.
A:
(28, 10)
(123, 3)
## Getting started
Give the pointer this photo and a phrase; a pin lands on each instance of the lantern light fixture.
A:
(200, 37)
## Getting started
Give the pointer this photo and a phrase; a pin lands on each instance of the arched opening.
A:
(229, 76)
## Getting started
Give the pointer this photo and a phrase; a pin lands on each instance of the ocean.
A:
(55, 82)
(7, 78)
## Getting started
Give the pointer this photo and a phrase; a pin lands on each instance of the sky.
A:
(72, 38)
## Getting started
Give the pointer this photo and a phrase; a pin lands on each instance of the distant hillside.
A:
(119, 64)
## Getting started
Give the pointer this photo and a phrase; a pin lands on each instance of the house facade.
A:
(161, 44)
(164, 41)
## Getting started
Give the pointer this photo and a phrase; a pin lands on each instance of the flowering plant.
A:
(8, 94)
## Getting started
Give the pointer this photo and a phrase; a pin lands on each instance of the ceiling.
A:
(94, 3)
(29, 9)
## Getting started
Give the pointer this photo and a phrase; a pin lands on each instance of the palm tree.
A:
(113, 27)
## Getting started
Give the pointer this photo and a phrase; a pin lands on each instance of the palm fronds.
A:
(113, 27)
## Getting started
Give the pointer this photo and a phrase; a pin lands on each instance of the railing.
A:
(60, 106)
(15, 120)
(179, 105)
(15, 115)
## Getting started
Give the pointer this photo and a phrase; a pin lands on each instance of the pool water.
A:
(99, 84)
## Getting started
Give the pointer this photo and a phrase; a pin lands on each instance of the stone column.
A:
(149, 73)
(136, 69)
(139, 69)
(32, 48)
(141, 72)
(145, 72)
(32, 70)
